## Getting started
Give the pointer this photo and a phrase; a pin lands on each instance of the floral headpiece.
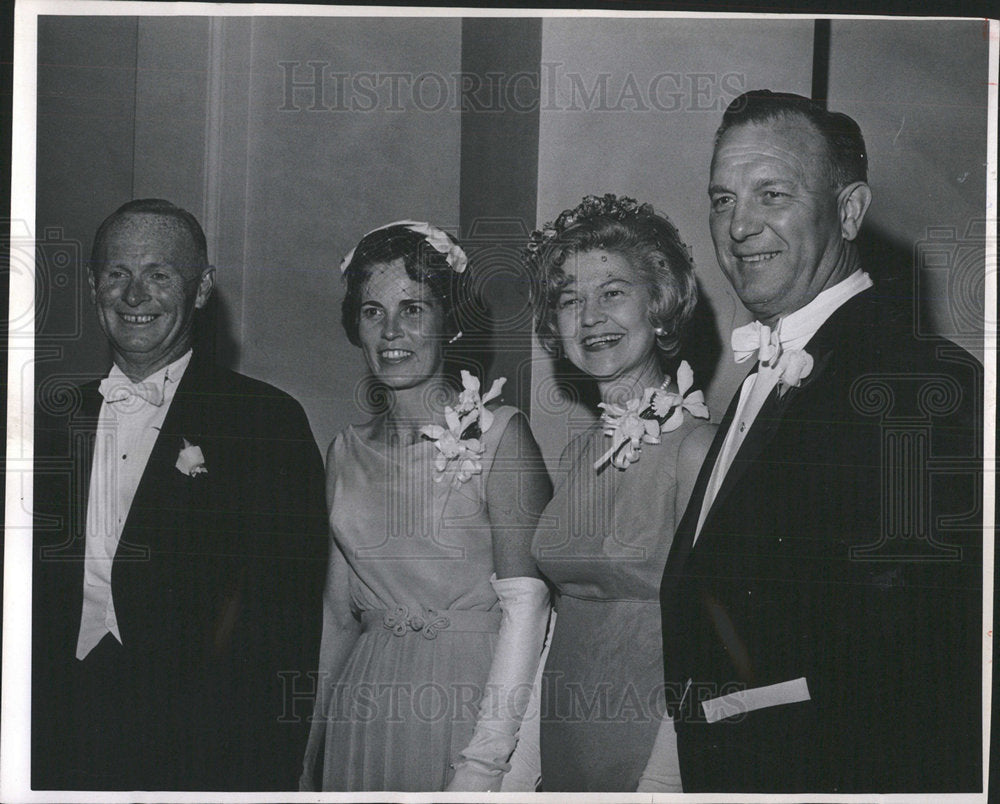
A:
(592, 206)
(437, 238)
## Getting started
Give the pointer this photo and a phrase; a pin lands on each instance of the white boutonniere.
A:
(459, 446)
(641, 419)
(793, 366)
(190, 461)
(756, 339)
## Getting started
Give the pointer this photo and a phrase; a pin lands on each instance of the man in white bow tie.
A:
(180, 545)
(822, 598)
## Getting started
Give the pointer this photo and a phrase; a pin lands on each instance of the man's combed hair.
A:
(845, 145)
(151, 206)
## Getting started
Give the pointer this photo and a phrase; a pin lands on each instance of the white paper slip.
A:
(736, 703)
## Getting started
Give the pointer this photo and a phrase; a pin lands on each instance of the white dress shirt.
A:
(127, 428)
(796, 330)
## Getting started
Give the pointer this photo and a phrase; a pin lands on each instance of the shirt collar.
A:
(158, 388)
(798, 327)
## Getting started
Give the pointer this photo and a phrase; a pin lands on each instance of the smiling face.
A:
(775, 219)
(148, 281)
(400, 328)
(602, 319)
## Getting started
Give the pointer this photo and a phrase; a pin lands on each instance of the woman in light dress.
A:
(434, 611)
(614, 289)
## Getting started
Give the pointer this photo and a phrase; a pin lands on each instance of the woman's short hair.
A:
(423, 263)
(648, 241)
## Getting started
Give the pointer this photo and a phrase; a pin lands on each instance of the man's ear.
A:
(93, 287)
(852, 204)
(205, 286)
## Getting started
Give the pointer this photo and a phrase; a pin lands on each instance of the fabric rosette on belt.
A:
(402, 620)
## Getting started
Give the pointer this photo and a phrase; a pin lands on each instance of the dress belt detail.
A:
(428, 622)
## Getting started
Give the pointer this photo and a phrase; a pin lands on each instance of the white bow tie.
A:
(756, 339)
(120, 389)
(791, 365)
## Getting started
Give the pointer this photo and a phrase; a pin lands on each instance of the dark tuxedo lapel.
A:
(684, 536)
(164, 492)
(166, 519)
(822, 347)
(84, 433)
(758, 438)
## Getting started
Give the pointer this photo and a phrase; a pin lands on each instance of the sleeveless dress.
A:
(420, 554)
(603, 542)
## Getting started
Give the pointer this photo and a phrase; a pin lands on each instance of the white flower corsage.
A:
(641, 420)
(459, 446)
(190, 461)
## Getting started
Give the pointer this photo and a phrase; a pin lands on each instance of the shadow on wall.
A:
(213, 334)
(940, 279)
(889, 262)
(702, 346)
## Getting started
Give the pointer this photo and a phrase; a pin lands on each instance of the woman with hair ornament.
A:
(613, 290)
(434, 613)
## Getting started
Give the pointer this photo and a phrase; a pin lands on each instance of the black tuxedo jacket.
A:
(217, 585)
(844, 547)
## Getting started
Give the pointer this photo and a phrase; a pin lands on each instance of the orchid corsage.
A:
(641, 420)
(459, 445)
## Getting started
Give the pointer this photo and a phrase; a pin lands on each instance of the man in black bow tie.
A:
(180, 545)
(822, 597)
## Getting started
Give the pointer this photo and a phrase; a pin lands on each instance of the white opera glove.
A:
(526, 762)
(524, 603)
(663, 770)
